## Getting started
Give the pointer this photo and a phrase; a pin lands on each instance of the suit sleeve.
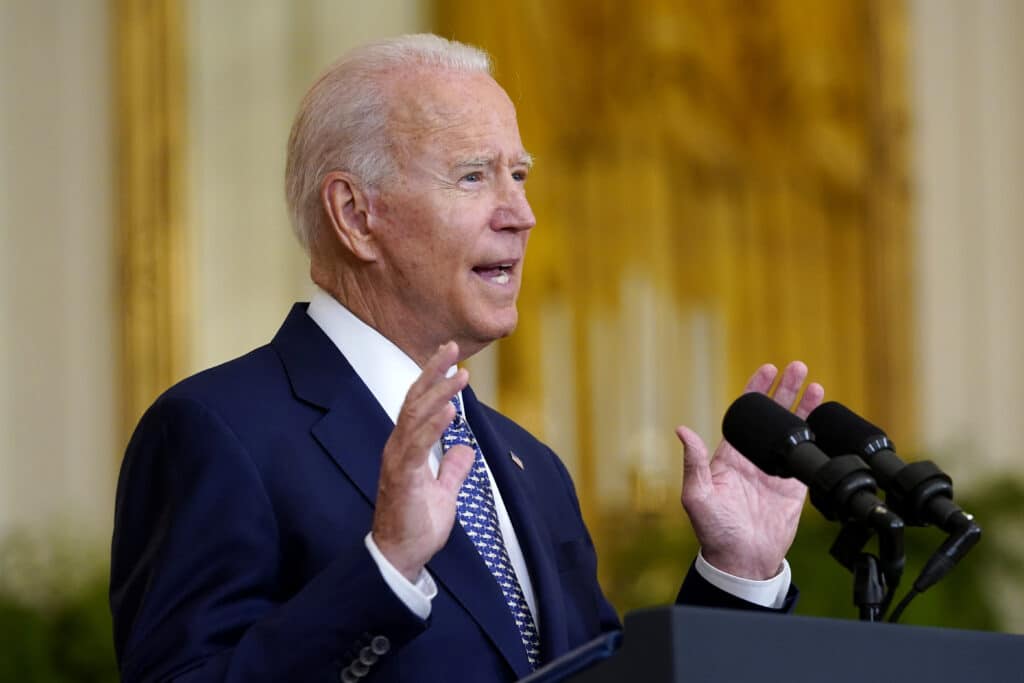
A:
(197, 591)
(698, 592)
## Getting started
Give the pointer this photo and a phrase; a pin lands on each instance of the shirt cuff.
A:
(769, 593)
(415, 596)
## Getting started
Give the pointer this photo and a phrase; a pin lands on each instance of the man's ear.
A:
(347, 208)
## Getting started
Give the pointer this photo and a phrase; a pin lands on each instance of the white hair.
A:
(342, 121)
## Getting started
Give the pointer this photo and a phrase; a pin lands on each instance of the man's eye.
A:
(519, 176)
(473, 177)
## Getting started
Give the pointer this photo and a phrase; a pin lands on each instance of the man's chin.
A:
(505, 324)
(486, 334)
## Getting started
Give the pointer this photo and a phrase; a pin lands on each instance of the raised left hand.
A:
(746, 520)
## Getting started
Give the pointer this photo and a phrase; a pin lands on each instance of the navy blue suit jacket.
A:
(238, 555)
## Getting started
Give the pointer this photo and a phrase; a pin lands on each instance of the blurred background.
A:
(719, 183)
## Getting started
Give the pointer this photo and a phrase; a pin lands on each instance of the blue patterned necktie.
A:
(479, 519)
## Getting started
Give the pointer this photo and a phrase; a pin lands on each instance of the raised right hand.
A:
(416, 510)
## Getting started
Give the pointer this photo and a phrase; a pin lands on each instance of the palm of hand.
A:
(752, 512)
(422, 508)
(429, 510)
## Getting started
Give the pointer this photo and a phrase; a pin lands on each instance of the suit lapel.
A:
(353, 432)
(533, 535)
(355, 428)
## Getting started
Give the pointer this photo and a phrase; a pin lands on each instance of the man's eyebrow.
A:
(526, 159)
(475, 162)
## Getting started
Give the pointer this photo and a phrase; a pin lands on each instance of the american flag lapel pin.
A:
(516, 460)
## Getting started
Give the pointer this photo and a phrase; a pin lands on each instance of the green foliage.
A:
(55, 623)
(27, 644)
(643, 559)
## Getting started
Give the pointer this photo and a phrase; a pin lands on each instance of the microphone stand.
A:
(874, 578)
(868, 583)
(844, 490)
(869, 594)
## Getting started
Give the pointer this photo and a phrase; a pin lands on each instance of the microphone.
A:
(781, 444)
(841, 488)
(920, 492)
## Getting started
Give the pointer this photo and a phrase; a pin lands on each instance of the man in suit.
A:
(338, 504)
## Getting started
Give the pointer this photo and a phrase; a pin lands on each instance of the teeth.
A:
(501, 279)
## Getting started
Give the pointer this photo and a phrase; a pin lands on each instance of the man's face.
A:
(454, 222)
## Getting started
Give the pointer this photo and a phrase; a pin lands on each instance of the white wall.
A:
(249, 65)
(967, 67)
(57, 357)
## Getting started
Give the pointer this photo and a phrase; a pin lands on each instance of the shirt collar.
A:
(383, 367)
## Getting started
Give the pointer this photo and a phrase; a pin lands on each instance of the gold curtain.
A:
(719, 184)
(150, 71)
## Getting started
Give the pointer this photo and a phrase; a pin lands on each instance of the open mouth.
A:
(498, 273)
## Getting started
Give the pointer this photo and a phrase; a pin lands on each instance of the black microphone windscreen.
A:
(840, 431)
(762, 430)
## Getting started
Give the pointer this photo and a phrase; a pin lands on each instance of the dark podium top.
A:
(686, 644)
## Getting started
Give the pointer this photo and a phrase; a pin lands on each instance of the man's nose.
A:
(513, 211)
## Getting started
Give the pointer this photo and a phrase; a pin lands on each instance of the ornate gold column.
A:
(150, 71)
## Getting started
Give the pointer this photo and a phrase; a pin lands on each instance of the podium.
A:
(688, 644)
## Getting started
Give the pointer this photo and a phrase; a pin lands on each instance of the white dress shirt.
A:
(388, 373)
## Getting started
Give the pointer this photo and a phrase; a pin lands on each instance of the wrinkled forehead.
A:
(428, 101)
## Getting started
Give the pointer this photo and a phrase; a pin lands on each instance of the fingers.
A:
(788, 389)
(427, 409)
(762, 379)
(789, 386)
(696, 466)
(434, 370)
(812, 398)
(455, 466)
